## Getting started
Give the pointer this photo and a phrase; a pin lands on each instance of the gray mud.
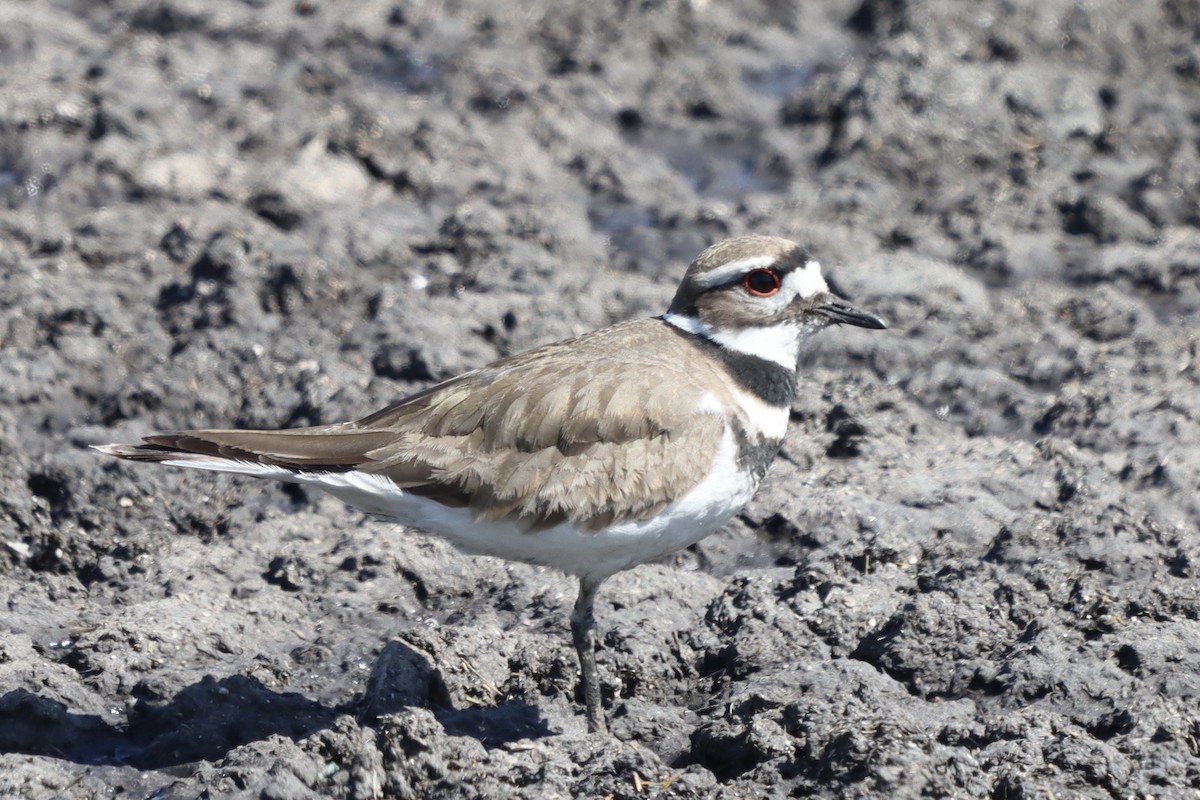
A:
(973, 572)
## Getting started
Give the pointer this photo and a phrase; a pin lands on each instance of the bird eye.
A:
(762, 282)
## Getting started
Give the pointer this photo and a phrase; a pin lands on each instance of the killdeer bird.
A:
(591, 455)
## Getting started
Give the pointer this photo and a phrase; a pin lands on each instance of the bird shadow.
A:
(208, 719)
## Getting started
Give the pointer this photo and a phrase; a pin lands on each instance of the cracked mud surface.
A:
(972, 572)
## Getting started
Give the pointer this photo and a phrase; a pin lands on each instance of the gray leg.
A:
(583, 633)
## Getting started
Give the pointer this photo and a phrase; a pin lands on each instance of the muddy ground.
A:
(972, 573)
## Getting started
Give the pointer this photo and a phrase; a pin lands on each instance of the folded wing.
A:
(535, 438)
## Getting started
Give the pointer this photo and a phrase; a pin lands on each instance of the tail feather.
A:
(136, 452)
(325, 449)
(179, 458)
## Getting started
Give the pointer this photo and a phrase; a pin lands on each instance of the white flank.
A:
(726, 272)
(705, 508)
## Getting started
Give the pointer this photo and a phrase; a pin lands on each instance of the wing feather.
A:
(542, 437)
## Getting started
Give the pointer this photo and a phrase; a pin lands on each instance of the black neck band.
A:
(767, 380)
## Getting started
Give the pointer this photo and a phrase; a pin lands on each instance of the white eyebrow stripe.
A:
(725, 272)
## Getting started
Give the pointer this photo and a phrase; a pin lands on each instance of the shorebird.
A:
(590, 455)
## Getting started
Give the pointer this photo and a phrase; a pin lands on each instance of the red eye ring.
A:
(762, 282)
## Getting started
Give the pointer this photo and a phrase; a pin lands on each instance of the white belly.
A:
(594, 554)
(577, 552)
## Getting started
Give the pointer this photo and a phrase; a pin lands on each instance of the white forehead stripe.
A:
(805, 282)
(734, 269)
